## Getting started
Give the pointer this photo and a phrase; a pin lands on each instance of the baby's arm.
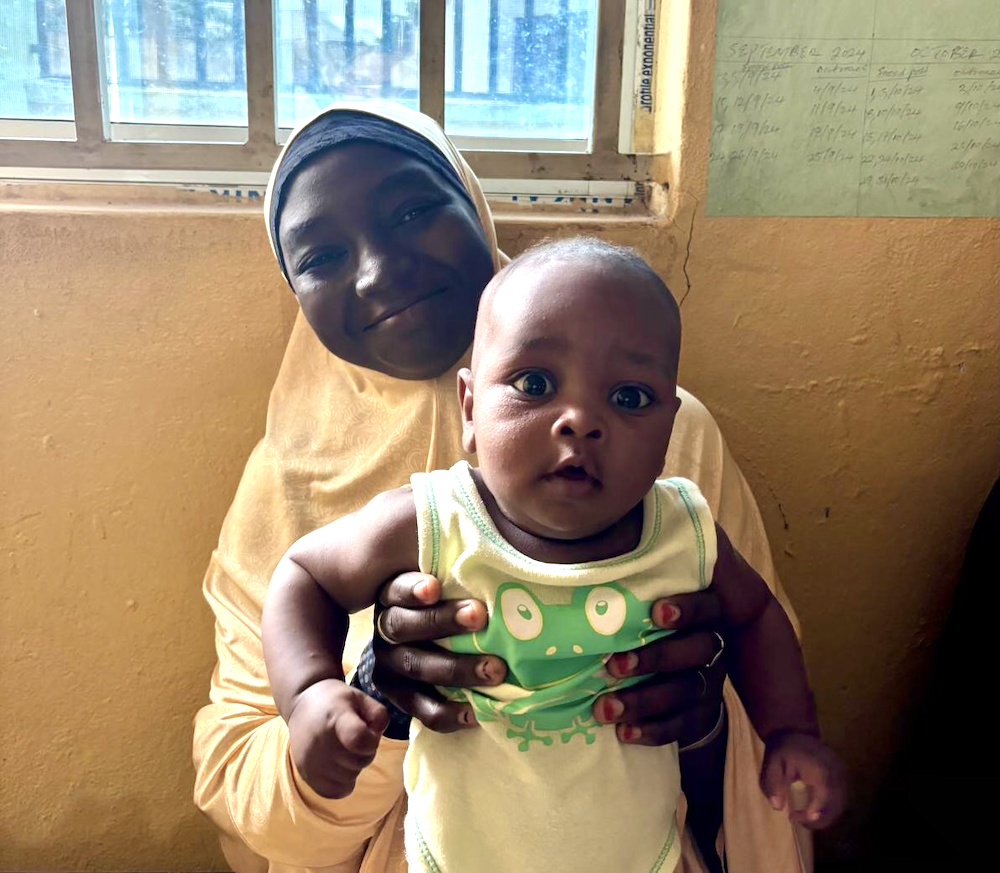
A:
(765, 663)
(334, 729)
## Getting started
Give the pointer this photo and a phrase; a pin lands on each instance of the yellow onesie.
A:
(541, 786)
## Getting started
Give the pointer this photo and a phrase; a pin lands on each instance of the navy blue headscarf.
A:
(346, 128)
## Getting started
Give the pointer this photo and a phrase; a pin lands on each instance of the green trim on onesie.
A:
(427, 486)
(696, 523)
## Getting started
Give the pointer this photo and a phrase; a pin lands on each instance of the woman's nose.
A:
(372, 273)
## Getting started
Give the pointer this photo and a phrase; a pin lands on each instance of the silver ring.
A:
(720, 723)
(718, 654)
(379, 629)
(704, 684)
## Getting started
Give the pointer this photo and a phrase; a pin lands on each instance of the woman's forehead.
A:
(351, 178)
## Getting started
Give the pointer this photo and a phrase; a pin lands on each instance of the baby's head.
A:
(572, 393)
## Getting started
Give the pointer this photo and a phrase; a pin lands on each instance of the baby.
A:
(566, 535)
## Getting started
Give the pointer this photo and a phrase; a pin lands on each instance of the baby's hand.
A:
(803, 775)
(333, 732)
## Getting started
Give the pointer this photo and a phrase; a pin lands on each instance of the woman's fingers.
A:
(412, 590)
(698, 609)
(425, 703)
(433, 666)
(672, 654)
(399, 624)
(409, 613)
(657, 698)
(683, 727)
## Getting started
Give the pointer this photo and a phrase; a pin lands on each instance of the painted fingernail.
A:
(629, 733)
(610, 709)
(667, 614)
(489, 670)
(466, 616)
(624, 663)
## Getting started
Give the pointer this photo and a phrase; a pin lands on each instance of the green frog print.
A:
(556, 655)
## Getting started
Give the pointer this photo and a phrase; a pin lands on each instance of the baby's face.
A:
(573, 394)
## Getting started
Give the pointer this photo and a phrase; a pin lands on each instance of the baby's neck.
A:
(618, 539)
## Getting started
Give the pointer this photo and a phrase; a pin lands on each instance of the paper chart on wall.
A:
(856, 107)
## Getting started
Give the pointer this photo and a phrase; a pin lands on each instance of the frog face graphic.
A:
(545, 642)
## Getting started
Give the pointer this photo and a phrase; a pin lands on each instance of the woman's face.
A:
(386, 259)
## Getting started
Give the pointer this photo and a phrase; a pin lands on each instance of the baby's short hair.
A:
(584, 250)
(594, 250)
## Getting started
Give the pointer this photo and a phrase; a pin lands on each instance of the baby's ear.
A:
(465, 399)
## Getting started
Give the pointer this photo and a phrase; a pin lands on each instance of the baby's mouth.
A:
(576, 473)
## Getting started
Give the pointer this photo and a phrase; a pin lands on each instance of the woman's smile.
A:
(393, 315)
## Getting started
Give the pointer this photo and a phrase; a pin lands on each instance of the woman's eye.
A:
(320, 259)
(631, 397)
(534, 384)
(411, 212)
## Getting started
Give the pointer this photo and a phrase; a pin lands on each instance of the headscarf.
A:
(379, 123)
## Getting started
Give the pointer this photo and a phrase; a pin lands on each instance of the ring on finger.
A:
(718, 653)
(381, 630)
(704, 684)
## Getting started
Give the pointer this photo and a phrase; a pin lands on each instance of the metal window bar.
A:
(494, 46)
(95, 148)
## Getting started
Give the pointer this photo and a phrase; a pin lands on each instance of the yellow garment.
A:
(530, 790)
(337, 435)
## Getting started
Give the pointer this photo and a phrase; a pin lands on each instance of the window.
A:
(214, 86)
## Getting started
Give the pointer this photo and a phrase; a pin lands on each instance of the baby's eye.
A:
(631, 397)
(534, 384)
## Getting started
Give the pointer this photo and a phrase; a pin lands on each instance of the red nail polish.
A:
(668, 614)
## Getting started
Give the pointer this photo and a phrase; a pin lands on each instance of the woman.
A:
(385, 237)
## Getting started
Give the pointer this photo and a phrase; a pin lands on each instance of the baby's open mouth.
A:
(579, 477)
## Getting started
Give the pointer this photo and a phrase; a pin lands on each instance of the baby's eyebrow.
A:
(642, 359)
(543, 344)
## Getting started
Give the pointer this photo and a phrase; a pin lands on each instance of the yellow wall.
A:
(852, 364)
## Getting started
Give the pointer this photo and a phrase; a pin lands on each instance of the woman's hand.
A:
(678, 703)
(681, 699)
(408, 665)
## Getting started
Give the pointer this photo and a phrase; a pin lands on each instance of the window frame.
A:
(94, 149)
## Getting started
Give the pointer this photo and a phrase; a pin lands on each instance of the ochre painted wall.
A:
(852, 364)
(137, 354)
